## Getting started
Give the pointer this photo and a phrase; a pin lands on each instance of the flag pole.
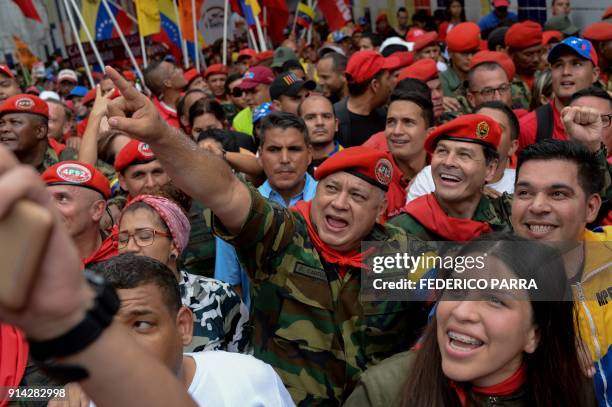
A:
(88, 34)
(225, 18)
(295, 17)
(196, 45)
(181, 39)
(79, 45)
(125, 44)
(313, 5)
(262, 40)
(253, 39)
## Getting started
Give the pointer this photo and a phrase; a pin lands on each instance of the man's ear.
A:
(98, 209)
(276, 105)
(41, 132)
(491, 168)
(593, 206)
(122, 182)
(184, 324)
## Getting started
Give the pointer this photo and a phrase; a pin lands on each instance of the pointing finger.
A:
(126, 89)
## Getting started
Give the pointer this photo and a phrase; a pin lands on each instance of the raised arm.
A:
(202, 175)
(88, 152)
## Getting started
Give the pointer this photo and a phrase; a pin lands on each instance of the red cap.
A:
(598, 32)
(190, 75)
(247, 52)
(369, 164)
(500, 58)
(414, 33)
(89, 97)
(5, 70)
(501, 3)
(424, 40)
(463, 37)
(523, 35)
(363, 65)
(134, 152)
(215, 69)
(24, 103)
(474, 128)
(399, 60)
(256, 75)
(77, 174)
(129, 75)
(381, 17)
(607, 14)
(424, 70)
(548, 36)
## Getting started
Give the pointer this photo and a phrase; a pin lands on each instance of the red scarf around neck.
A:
(507, 387)
(428, 212)
(107, 250)
(353, 258)
(13, 357)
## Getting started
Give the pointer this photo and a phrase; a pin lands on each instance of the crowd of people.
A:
(221, 218)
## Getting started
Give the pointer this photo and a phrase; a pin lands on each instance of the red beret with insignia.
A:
(134, 152)
(24, 103)
(424, 70)
(500, 58)
(367, 163)
(523, 35)
(463, 37)
(215, 69)
(473, 128)
(77, 174)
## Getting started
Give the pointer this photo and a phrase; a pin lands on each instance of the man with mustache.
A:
(139, 171)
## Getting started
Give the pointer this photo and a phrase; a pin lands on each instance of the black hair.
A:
(418, 99)
(447, 6)
(358, 89)
(227, 141)
(180, 105)
(282, 120)
(128, 271)
(590, 175)
(497, 105)
(400, 10)
(375, 38)
(339, 61)
(292, 64)
(414, 85)
(593, 91)
(231, 78)
(204, 106)
(152, 80)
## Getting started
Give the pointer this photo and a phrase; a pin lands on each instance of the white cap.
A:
(395, 41)
(67, 75)
(49, 95)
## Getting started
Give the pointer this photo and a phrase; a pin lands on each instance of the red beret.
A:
(524, 35)
(6, 71)
(134, 152)
(425, 40)
(500, 58)
(381, 17)
(24, 103)
(77, 174)
(463, 37)
(363, 65)
(247, 52)
(369, 164)
(598, 32)
(190, 75)
(414, 33)
(262, 56)
(129, 75)
(399, 60)
(607, 14)
(547, 36)
(474, 128)
(424, 70)
(215, 69)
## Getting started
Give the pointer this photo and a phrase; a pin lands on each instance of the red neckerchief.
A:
(107, 250)
(507, 387)
(13, 357)
(427, 211)
(354, 258)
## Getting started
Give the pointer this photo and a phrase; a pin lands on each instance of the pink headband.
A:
(171, 214)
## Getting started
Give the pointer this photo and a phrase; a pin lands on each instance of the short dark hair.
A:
(228, 142)
(418, 99)
(400, 10)
(414, 85)
(282, 120)
(154, 81)
(515, 127)
(180, 105)
(359, 88)
(231, 78)
(339, 61)
(593, 91)
(204, 106)
(128, 271)
(590, 175)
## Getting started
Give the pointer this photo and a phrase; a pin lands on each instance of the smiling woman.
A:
(502, 347)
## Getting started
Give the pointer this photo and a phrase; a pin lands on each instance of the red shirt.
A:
(529, 128)
(169, 115)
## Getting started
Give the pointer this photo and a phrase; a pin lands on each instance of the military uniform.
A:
(50, 159)
(452, 85)
(310, 323)
(521, 95)
(199, 255)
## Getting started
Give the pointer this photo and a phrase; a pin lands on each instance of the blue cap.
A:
(580, 46)
(338, 36)
(262, 111)
(78, 91)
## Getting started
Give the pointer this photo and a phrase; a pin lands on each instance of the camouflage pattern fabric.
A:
(521, 94)
(199, 255)
(495, 212)
(310, 324)
(50, 159)
(219, 315)
(452, 85)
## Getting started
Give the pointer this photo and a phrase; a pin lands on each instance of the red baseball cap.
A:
(256, 75)
(500, 58)
(215, 69)
(523, 35)
(501, 3)
(77, 174)
(399, 60)
(369, 164)
(424, 40)
(5, 70)
(607, 14)
(133, 153)
(473, 128)
(414, 33)
(424, 70)
(463, 37)
(24, 103)
(363, 65)
(247, 52)
(547, 36)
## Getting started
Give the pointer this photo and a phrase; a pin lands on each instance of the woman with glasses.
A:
(157, 227)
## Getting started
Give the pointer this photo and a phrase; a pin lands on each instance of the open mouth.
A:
(540, 229)
(335, 223)
(4, 139)
(567, 84)
(462, 342)
(450, 178)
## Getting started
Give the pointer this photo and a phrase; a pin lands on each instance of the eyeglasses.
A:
(143, 237)
(490, 92)
(606, 119)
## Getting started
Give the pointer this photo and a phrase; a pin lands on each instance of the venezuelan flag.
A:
(169, 33)
(99, 23)
(305, 15)
(148, 17)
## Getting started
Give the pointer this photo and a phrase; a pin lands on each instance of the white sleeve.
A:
(421, 185)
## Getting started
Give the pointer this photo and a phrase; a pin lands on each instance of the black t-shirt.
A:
(355, 129)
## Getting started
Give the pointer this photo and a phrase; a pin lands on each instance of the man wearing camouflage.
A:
(305, 264)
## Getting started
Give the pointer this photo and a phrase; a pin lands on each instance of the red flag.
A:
(277, 16)
(336, 12)
(28, 9)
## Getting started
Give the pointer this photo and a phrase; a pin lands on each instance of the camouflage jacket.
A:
(521, 94)
(452, 85)
(219, 315)
(49, 160)
(310, 324)
(199, 255)
(495, 212)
